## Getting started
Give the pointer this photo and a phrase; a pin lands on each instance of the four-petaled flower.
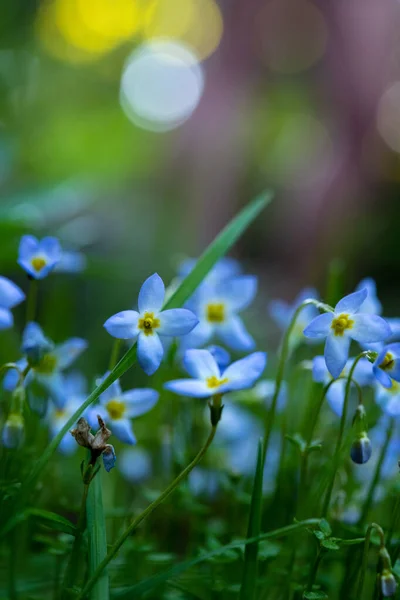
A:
(150, 323)
(10, 296)
(46, 361)
(38, 258)
(387, 365)
(208, 379)
(117, 408)
(343, 325)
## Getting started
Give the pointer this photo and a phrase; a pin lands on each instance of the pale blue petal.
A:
(371, 305)
(92, 414)
(320, 326)
(234, 334)
(306, 294)
(28, 247)
(34, 343)
(336, 353)
(335, 396)
(320, 371)
(394, 324)
(10, 294)
(75, 384)
(201, 364)
(150, 352)
(369, 328)
(123, 325)
(122, 429)
(113, 391)
(71, 262)
(177, 321)
(69, 351)
(109, 457)
(50, 246)
(222, 356)
(244, 373)
(11, 377)
(198, 337)
(394, 349)
(194, 388)
(363, 373)
(68, 445)
(151, 295)
(54, 384)
(265, 390)
(139, 401)
(382, 377)
(6, 319)
(135, 464)
(239, 292)
(281, 312)
(352, 302)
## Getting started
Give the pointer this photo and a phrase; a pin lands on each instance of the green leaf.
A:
(319, 534)
(97, 538)
(250, 568)
(315, 595)
(50, 519)
(215, 251)
(330, 544)
(325, 527)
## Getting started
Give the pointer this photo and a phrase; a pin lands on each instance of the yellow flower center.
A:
(116, 409)
(59, 413)
(38, 263)
(214, 382)
(148, 323)
(46, 365)
(341, 323)
(395, 387)
(216, 313)
(388, 362)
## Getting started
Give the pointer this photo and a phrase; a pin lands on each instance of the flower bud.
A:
(388, 583)
(361, 449)
(13, 431)
(109, 457)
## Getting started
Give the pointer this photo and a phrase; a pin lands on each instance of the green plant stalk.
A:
(314, 570)
(75, 557)
(364, 562)
(31, 301)
(377, 473)
(136, 522)
(116, 349)
(97, 538)
(284, 356)
(394, 522)
(216, 250)
(339, 440)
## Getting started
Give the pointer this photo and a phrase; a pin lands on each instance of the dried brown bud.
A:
(82, 434)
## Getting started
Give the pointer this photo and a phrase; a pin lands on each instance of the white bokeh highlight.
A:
(161, 85)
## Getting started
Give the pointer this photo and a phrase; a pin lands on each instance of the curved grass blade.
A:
(250, 569)
(216, 250)
(96, 527)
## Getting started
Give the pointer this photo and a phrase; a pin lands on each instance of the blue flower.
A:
(389, 398)
(135, 464)
(372, 304)
(362, 375)
(343, 325)
(387, 365)
(47, 363)
(38, 258)
(117, 408)
(283, 312)
(10, 296)
(150, 323)
(208, 379)
(222, 356)
(75, 394)
(217, 307)
(71, 261)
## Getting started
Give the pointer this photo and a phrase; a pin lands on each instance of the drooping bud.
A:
(388, 583)
(13, 431)
(109, 457)
(361, 449)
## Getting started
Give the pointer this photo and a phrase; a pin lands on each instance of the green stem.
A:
(314, 570)
(377, 473)
(340, 436)
(75, 557)
(394, 522)
(116, 349)
(364, 563)
(31, 301)
(136, 522)
(270, 417)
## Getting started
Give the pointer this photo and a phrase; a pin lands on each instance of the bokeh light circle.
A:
(161, 85)
(388, 116)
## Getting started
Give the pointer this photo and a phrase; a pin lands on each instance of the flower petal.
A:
(54, 385)
(122, 429)
(10, 294)
(151, 295)
(28, 246)
(123, 325)
(352, 302)
(112, 392)
(68, 445)
(234, 334)
(194, 388)
(371, 305)
(382, 377)
(177, 321)
(150, 352)
(135, 464)
(92, 413)
(6, 319)
(239, 292)
(139, 401)
(369, 328)
(201, 364)
(320, 326)
(336, 353)
(71, 261)
(281, 312)
(320, 371)
(222, 356)
(244, 373)
(50, 246)
(12, 376)
(69, 351)
(198, 337)
(335, 396)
